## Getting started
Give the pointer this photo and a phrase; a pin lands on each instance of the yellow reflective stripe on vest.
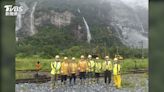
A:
(58, 65)
(55, 67)
(98, 66)
(108, 65)
(116, 69)
(91, 65)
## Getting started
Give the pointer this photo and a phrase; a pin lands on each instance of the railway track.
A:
(45, 78)
(33, 80)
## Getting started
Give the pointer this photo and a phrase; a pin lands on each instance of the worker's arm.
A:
(52, 65)
(101, 64)
(61, 68)
(78, 65)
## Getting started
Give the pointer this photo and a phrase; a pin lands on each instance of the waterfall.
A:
(78, 10)
(138, 20)
(18, 22)
(32, 19)
(88, 31)
(87, 28)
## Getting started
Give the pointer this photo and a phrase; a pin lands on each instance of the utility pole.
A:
(117, 50)
(141, 44)
(106, 53)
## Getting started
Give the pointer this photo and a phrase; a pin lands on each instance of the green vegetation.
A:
(68, 40)
(29, 64)
(50, 41)
(129, 64)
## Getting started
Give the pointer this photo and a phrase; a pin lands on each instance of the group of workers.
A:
(85, 68)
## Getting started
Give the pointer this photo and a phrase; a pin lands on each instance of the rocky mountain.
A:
(110, 22)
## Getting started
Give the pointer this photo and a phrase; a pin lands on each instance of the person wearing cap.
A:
(37, 67)
(91, 66)
(116, 73)
(107, 68)
(98, 69)
(55, 69)
(82, 68)
(64, 70)
(73, 69)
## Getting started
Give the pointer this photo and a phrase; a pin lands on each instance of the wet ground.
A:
(130, 83)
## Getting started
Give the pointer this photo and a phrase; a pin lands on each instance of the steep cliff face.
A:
(54, 18)
(113, 17)
(130, 25)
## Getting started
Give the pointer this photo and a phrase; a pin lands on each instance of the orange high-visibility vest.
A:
(38, 66)
(64, 68)
(82, 66)
(73, 67)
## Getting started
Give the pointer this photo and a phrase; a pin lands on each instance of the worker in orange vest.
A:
(64, 70)
(73, 69)
(37, 67)
(82, 68)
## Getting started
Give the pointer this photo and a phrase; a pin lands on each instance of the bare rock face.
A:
(128, 24)
(54, 18)
(28, 23)
(61, 19)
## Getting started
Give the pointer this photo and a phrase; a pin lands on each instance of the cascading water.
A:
(87, 28)
(32, 19)
(127, 25)
(88, 31)
(78, 10)
(138, 20)
(18, 22)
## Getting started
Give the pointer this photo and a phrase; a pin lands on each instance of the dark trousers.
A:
(90, 74)
(82, 75)
(107, 76)
(97, 75)
(63, 78)
(73, 76)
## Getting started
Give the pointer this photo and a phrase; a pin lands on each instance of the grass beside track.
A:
(29, 64)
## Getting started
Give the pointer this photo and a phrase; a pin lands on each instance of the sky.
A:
(133, 3)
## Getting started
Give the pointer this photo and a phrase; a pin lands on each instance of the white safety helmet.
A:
(82, 56)
(115, 59)
(97, 58)
(73, 58)
(106, 57)
(65, 58)
(89, 56)
(57, 57)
